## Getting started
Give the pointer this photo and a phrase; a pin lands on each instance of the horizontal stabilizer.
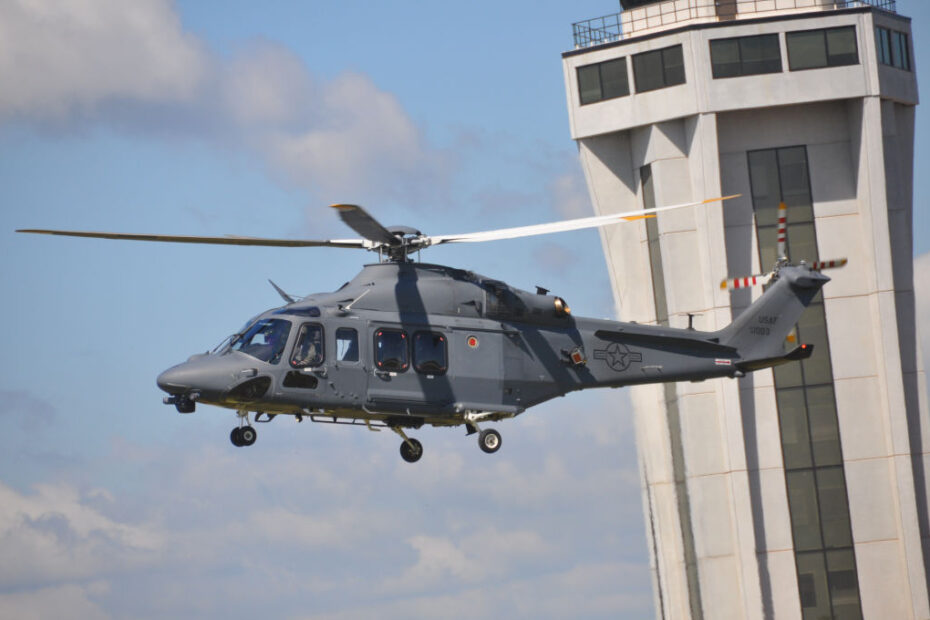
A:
(800, 352)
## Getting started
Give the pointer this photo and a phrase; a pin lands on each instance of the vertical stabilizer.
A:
(760, 331)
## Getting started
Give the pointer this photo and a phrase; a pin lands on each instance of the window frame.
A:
(445, 353)
(379, 364)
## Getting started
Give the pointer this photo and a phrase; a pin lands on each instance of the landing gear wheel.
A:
(489, 440)
(247, 435)
(411, 450)
(236, 437)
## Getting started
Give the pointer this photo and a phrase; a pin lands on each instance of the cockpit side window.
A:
(391, 350)
(265, 340)
(429, 353)
(308, 350)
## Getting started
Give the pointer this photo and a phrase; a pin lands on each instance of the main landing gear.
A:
(411, 450)
(244, 434)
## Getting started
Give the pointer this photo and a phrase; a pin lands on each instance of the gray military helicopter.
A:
(406, 343)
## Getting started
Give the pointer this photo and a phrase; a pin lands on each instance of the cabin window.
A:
(346, 345)
(265, 340)
(308, 350)
(429, 353)
(391, 352)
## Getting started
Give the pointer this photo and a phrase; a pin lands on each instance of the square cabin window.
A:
(429, 353)
(391, 351)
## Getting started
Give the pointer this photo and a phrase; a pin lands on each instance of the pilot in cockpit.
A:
(309, 348)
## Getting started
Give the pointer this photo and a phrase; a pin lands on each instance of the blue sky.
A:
(214, 118)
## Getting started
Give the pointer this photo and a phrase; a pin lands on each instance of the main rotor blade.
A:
(564, 225)
(359, 220)
(227, 240)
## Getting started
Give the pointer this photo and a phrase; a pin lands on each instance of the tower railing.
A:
(662, 15)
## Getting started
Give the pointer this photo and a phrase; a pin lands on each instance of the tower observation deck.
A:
(801, 491)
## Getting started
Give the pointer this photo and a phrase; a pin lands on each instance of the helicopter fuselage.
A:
(407, 344)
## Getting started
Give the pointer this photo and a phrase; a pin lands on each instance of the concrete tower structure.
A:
(800, 492)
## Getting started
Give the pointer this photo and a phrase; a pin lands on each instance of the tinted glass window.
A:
(308, 350)
(892, 47)
(346, 344)
(901, 55)
(647, 71)
(811, 49)
(745, 56)
(614, 81)
(391, 350)
(883, 43)
(603, 80)
(760, 54)
(265, 340)
(841, 47)
(724, 58)
(429, 353)
(659, 69)
(589, 84)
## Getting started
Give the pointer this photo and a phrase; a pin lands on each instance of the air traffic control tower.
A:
(800, 492)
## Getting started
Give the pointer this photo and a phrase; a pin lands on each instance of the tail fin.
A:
(759, 332)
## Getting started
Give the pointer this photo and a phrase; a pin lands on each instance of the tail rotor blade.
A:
(782, 247)
(733, 284)
(835, 263)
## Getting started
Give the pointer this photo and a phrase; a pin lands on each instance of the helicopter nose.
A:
(175, 380)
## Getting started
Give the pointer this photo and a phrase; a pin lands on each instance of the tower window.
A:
(659, 69)
(603, 80)
(830, 47)
(893, 48)
(745, 56)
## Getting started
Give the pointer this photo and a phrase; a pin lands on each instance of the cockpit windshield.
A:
(265, 340)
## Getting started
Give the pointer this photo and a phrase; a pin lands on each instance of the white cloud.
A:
(64, 58)
(484, 555)
(132, 65)
(585, 590)
(55, 535)
(361, 142)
